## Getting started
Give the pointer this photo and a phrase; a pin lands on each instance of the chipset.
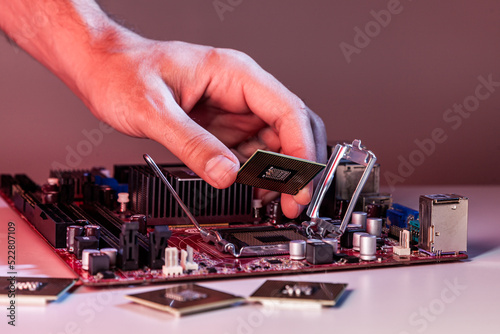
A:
(292, 292)
(278, 172)
(185, 299)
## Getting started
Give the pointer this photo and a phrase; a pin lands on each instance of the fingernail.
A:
(219, 168)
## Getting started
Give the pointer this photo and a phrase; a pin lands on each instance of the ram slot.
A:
(113, 223)
(108, 239)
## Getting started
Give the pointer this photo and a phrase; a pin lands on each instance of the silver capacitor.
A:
(72, 231)
(368, 247)
(374, 226)
(92, 231)
(111, 253)
(356, 240)
(297, 249)
(334, 242)
(85, 257)
(359, 218)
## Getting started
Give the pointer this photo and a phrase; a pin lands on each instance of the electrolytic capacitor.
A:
(85, 257)
(92, 231)
(81, 222)
(111, 253)
(72, 231)
(368, 247)
(374, 226)
(334, 242)
(356, 240)
(359, 218)
(297, 249)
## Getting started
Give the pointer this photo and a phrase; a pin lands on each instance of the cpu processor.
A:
(278, 172)
(33, 290)
(292, 292)
(185, 299)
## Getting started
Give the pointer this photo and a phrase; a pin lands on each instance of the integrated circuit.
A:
(278, 172)
(185, 299)
(34, 290)
(325, 294)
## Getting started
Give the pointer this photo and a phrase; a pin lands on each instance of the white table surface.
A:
(461, 297)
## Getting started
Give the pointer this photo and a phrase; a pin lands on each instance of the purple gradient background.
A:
(395, 91)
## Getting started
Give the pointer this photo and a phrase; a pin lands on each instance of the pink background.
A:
(395, 91)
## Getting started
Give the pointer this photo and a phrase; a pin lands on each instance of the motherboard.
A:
(143, 225)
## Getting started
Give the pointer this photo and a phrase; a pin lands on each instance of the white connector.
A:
(187, 261)
(404, 244)
(172, 267)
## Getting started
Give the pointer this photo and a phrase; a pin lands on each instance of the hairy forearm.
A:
(197, 101)
(64, 35)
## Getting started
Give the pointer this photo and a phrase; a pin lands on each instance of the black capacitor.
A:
(318, 252)
(346, 238)
(72, 231)
(98, 262)
(85, 242)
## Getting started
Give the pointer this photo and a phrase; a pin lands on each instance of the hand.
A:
(200, 101)
(197, 101)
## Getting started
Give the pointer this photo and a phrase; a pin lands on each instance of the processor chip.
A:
(33, 290)
(321, 294)
(278, 172)
(185, 299)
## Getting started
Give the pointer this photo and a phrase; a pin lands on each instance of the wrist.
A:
(65, 36)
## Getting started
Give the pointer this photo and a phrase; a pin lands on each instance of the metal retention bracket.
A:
(352, 152)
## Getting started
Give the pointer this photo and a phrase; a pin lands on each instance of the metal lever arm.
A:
(207, 235)
(355, 153)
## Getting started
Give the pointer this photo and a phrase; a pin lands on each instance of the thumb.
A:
(201, 151)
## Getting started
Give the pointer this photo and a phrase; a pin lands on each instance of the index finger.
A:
(290, 118)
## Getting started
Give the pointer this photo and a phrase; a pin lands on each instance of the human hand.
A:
(199, 102)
